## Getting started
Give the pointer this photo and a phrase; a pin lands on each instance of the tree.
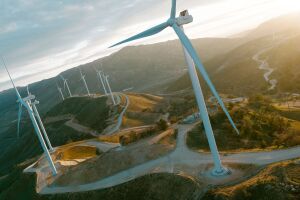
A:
(162, 124)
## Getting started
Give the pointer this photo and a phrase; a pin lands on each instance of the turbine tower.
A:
(66, 85)
(37, 115)
(26, 102)
(192, 58)
(60, 92)
(84, 82)
(111, 94)
(99, 74)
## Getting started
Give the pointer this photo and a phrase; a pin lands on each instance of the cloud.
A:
(47, 37)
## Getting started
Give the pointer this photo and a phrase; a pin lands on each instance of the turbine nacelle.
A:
(184, 18)
(29, 98)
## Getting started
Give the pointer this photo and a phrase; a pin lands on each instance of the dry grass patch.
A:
(277, 181)
(109, 138)
(77, 152)
(143, 102)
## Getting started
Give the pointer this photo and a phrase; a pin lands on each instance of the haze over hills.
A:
(229, 62)
(156, 67)
(237, 72)
(141, 68)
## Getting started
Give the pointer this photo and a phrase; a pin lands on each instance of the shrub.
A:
(162, 124)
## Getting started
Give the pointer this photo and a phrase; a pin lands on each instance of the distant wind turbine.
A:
(192, 58)
(99, 74)
(84, 82)
(111, 94)
(60, 92)
(26, 102)
(66, 85)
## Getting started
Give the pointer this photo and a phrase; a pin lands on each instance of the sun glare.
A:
(289, 6)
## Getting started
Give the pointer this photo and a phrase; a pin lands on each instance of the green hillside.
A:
(91, 112)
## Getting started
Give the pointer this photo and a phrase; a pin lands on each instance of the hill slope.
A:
(91, 112)
(240, 71)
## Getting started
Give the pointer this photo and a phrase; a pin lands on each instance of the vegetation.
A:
(259, 123)
(128, 137)
(20, 186)
(90, 112)
(134, 136)
(28, 146)
(144, 109)
(278, 181)
(181, 107)
(162, 125)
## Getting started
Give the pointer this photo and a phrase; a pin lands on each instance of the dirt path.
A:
(181, 156)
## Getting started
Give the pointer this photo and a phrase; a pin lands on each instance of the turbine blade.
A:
(173, 10)
(62, 78)
(189, 47)
(147, 33)
(17, 92)
(27, 88)
(19, 118)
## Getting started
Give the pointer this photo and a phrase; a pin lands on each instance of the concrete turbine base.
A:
(224, 172)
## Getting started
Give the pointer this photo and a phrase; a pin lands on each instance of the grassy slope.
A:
(90, 112)
(144, 188)
(258, 129)
(275, 182)
(143, 109)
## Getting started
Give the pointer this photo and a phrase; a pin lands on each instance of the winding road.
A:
(180, 156)
(120, 118)
(264, 65)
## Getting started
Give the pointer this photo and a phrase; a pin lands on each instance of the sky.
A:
(41, 38)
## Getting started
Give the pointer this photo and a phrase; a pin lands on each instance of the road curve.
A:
(120, 118)
(181, 155)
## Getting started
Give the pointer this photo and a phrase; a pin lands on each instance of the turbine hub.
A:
(171, 21)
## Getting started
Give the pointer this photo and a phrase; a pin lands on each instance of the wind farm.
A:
(165, 114)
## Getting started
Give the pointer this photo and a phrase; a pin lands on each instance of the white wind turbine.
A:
(84, 82)
(111, 94)
(66, 85)
(99, 74)
(192, 58)
(37, 115)
(31, 109)
(60, 92)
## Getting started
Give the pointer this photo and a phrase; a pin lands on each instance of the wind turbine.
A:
(37, 115)
(60, 92)
(26, 102)
(66, 85)
(111, 94)
(192, 58)
(84, 82)
(99, 74)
